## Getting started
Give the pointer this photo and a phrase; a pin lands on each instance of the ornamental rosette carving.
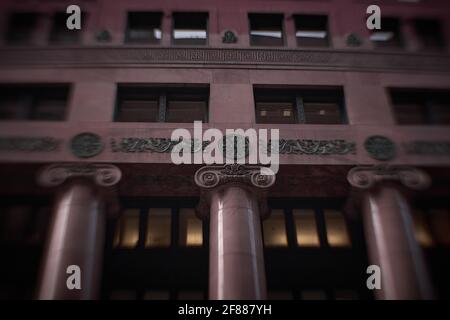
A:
(366, 177)
(213, 176)
(104, 175)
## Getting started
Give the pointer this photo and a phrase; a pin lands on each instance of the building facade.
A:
(88, 185)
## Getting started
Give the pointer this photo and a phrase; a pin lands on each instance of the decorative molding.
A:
(353, 40)
(212, 176)
(429, 148)
(103, 36)
(229, 37)
(316, 147)
(86, 145)
(380, 148)
(29, 144)
(104, 175)
(286, 146)
(366, 177)
(253, 57)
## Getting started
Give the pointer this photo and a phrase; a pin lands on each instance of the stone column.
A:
(236, 261)
(77, 230)
(389, 230)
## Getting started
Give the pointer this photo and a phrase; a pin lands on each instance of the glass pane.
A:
(441, 113)
(410, 114)
(266, 30)
(337, 234)
(158, 227)
(274, 229)
(313, 295)
(322, 113)
(191, 231)
(60, 34)
(190, 28)
(138, 111)
(422, 230)
(275, 112)
(127, 230)
(185, 111)
(306, 228)
(49, 110)
(21, 26)
(440, 223)
(144, 27)
(311, 30)
(389, 35)
(156, 295)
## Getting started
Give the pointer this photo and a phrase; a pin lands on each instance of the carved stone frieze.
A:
(29, 144)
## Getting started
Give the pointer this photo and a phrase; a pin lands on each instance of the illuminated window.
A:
(158, 227)
(266, 29)
(274, 229)
(306, 228)
(440, 224)
(191, 231)
(422, 230)
(337, 234)
(127, 229)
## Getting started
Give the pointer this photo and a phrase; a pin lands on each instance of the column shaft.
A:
(392, 246)
(236, 262)
(76, 237)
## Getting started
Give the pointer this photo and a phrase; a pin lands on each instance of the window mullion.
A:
(162, 107)
(300, 108)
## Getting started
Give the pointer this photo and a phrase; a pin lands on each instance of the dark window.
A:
(429, 33)
(144, 27)
(389, 36)
(413, 106)
(21, 27)
(60, 34)
(311, 30)
(312, 106)
(190, 28)
(266, 29)
(33, 102)
(162, 104)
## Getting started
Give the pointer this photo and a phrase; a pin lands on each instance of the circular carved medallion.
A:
(86, 145)
(380, 148)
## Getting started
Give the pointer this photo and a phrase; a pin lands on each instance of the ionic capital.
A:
(366, 177)
(104, 175)
(212, 176)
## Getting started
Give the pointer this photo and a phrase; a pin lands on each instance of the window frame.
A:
(299, 95)
(163, 91)
(283, 29)
(127, 29)
(172, 29)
